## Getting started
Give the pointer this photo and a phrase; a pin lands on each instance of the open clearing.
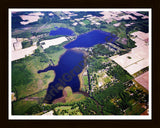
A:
(57, 41)
(143, 79)
(138, 57)
(69, 96)
(114, 15)
(23, 52)
(32, 17)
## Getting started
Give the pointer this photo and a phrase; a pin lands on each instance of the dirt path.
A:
(29, 96)
(32, 98)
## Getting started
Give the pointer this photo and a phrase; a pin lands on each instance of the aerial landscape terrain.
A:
(79, 63)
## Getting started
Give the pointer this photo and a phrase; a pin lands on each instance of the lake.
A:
(91, 38)
(66, 74)
(71, 63)
(61, 31)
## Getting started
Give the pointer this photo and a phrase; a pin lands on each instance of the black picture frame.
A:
(6, 4)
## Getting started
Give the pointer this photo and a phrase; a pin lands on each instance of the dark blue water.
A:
(61, 31)
(72, 62)
(91, 38)
(66, 74)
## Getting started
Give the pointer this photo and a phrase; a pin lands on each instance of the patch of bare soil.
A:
(143, 79)
(61, 99)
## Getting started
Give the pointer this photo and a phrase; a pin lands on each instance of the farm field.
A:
(136, 59)
(32, 17)
(23, 52)
(143, 79)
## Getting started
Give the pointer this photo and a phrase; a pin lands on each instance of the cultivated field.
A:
(138, 58)
(52, 42)
(32, 17)
(114, 15)
(22, 53)
(143, 79)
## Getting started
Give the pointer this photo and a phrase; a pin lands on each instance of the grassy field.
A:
(27, 83)
(26, 80)
(40, 94)
(68, 91)
(86, 22)
(24, 85)
(85, 80)
(72, 97)
(67, 110)
(55, 56)
(20, 107)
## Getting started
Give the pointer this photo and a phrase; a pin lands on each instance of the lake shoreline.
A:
(80, 76)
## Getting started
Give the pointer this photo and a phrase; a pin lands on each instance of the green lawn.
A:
(63, 108)
(107, 80)
(67, 110)
(86, 22)
(85, 80)
(55, 56)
